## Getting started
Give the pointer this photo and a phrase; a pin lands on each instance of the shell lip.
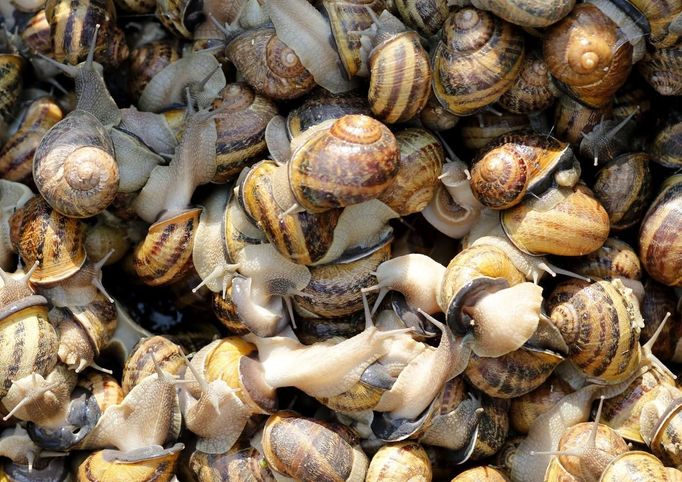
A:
(162, 221)
(356, 253)
(671, 411)
(256, 390)
(377, 376)
(22, 304)
(467, 295)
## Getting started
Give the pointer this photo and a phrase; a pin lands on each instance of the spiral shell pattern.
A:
(11, 84)
(147, 61)
(533, 90)
(400, 461)
(528, 13)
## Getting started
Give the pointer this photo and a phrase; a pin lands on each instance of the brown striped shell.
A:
(528, 13)
(667, 436)
(425, 16)
(104, 466)
(478, 130)
(313, 330)
(421, 161)
(179, 16)
(572, 119)
(661, 69)
(239, 228)
(659, 249)
(533, 90)
(320, 106)
(600, 323)
(361, 397)
(307, 449)
(667, 146)
(634, 466)
(400, 461)
(241, 131)
(239, 464)
(589, 55)
(269, 66)
(513, 374)
(140, 363)
(302, 237)
(41, 234)
(16, 155)
(104, 388)
(74, 166)
(514, 165)
(147, 61)
(400, 78)
(615, 259)
(623, 186)
(493, 428)
(165, 254)
(538, 225)
(526, 408)
(622, 412)
(355, 160)
(36, 34)
(484, 473)
(477, 60)
(658, 301)
(334, 289)
(11, 84)
(660, 14)
(225, 310)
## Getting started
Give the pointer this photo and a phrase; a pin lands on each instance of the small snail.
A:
(147, 61)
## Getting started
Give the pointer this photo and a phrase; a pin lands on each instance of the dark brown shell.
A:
(493, 427)
(581, 53)
(268, 65)
(623, 186)
(353, 161)
(533, 90)
(477, 60)
(11, 84)
(667, 146)
(660, 14)
(659, 249)
(478, 130)
(320, 106)
(572, 119)
(425, 16)
(661, 69)
(226, 312)
(147, 61)
(658, 301)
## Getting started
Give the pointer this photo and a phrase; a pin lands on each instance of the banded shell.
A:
(400, 461)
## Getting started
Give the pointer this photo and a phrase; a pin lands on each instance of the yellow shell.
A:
(482, 474)
(140, 363)
(400, 461)
(634, 466)
(96, 468)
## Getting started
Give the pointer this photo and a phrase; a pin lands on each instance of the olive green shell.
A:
(39, 233)
(400, 78)
(659, 249)
(623, 186)
(477, 60)
(11, 84)
(165, 254)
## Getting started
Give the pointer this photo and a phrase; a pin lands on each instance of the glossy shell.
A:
(425, 16)
(661, 68)
(634, 466)
(320, 106)
(96, 468)
(476, 62)
(400, 461)
(533, 90)
(572, 119)
(479, 130)
(615, 259)
(667, 146)
(179, 16)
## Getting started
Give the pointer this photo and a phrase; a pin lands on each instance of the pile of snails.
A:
(340, 240)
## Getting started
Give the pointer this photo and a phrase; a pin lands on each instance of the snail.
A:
(107, 235)
(658, 300)
(659, 69)
(403, 460)
(425, 16)
(517, 164)
(473, 39)
(526, 408)
(655, 245)
(665, 145)
(607, 139)
(434, 117)
(528, 14)
(484, 473)
(146, 355)
(572, 119)
(533, 90)
(150, 463)
(148, 60)
(179, 16)
(238, 463)
(493, 427)
(660, 424)
(478, 130)
(321, 106)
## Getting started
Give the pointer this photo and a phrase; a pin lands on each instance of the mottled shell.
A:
(600, 323)
(241, 131)
(104, 388)
(320, 106)
(516, 164)
(400, 78)
(538, 225)
(533, 90)
(180, 16)
(660, 14)
(421, 161)
(74, 166)
(493, 427)
(400, 461)
(477, 60)
(307, 449)
(165, 254)
(526, 408)
(572, 119)
(661, 69)
(581, 54)
(226, 312)
(667, 436)
(11, 84)
(237, 465)
(528, 13)
(41, 234)
(355, 160)
(269, 66)
(140, 363)
(513, 374)
(658, 301)
(16, 155)
(622, 412)
(334, 289)
(667, 146)
(147, 61)
(623, 187)
(659, 249)
(433, 116)
(97, 468)
(479, 130)
(615, 259)
(302, 237)
(634, 466)
(483, 473)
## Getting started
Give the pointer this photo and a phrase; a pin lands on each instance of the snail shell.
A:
(11, 84)
(104, 388)
(306, 449)
(41, 234)
(667, 145)
(528, 13)
(425, 16)
(277, 71)
(179, 16)
(533, 90)
(580, 53)
(165, 255)
(472, 41)
(623, 187)
(239, 464)
(572, 119)
(661, 14)
(536, 226)
(665, 439)
(659, 252)
(240, 231)
(147, 61)
(151, 464)
(74, 167)
(400, 461)
(400, 80)
(355, 160)
(479, 130)
(516, 164)
(633, 466)
(615, 259)
(433, 116)
(483, 473)
(140, 364)
(225, 310)
(526, 408)
(241, 132)
(321, 106)
(658, 301)
(660, 69)
(421, 161)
